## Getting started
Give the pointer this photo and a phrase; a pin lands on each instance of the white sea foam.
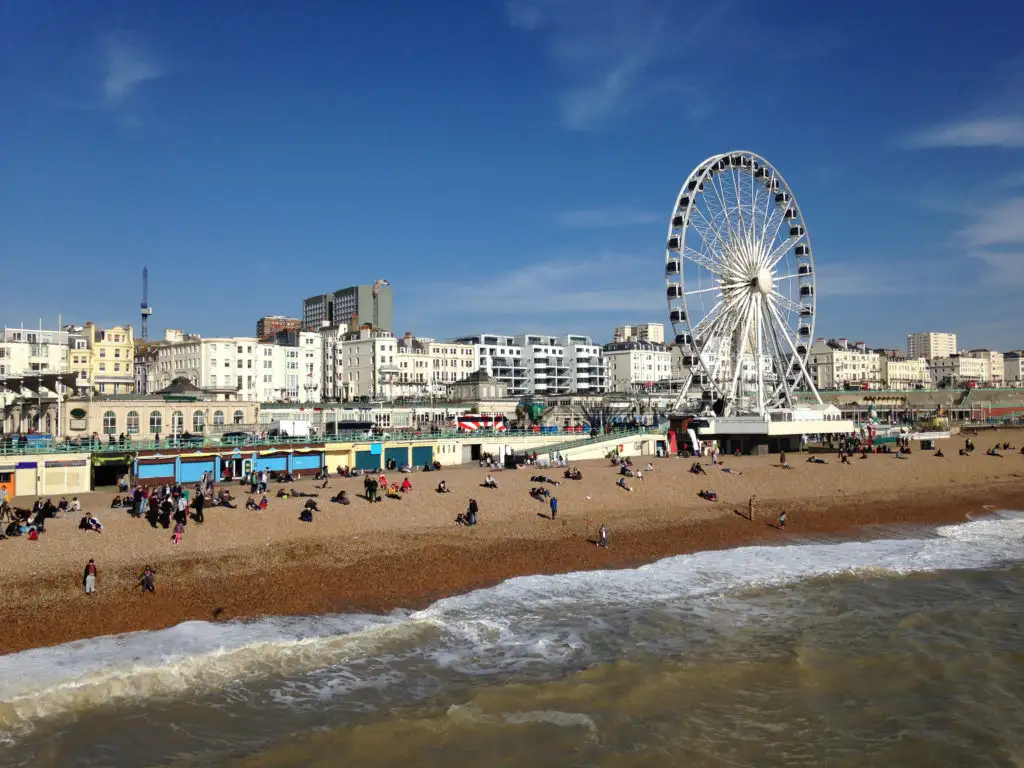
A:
(528, 620)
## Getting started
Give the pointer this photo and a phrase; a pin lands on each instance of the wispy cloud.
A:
(605, 53)
(127, 64)
(995, 238)
(1006, 132)
(600, 218)
(610, 283)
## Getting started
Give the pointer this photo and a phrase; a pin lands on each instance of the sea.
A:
(904, 647)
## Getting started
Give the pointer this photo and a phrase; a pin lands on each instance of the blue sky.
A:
(508, 166)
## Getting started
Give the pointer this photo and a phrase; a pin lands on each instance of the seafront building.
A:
(837, 364)
(994, 365)
(354, 306)
(1013, 368)
(652, 332)
(930, 344)
(958, 371)
(636, 365)
(269, 326)
(901, 373)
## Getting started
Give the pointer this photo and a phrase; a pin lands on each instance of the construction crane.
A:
(146, 309)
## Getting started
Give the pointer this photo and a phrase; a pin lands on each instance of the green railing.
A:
(14, 447)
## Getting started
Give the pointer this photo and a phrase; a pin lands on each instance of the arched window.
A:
(198, 421)
(156, 423)
(132, 420)
(109, 423)
(177, 423)
(238, 418)
(218, 418)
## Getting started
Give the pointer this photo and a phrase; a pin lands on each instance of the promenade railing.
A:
(14, 446)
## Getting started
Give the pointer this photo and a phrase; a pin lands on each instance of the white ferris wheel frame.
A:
(733, 223)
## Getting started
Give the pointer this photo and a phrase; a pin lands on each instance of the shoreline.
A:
(413, 571)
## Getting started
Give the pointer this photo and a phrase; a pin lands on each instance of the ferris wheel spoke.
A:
(712, 289)
(705, 260)
(783, 301)
(780, 251)
(719, 189)
(797, 359)
(709, 228)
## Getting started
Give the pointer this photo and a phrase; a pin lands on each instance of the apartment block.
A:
(353, 306)
(634, 365)
(269, 326)
(836, 364)
(994, 365)
(929, 344)
(1013, 368)
(958, 371)
(901, 373)
(651, 332)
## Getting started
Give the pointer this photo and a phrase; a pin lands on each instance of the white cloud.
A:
(126, 65)
(1005, 132)
(605, 52)
(600, 218)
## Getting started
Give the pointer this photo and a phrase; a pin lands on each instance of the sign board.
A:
(67, 463)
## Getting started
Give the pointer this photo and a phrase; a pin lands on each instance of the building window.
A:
(218, 418)
(177, 423)
(109, 423)
(103, 367)
(198, 421)
(156, 423)
(117, 367)
(132, 420)
(238, 417)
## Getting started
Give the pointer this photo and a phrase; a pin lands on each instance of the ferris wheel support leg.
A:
(683, 392)
(796, 356)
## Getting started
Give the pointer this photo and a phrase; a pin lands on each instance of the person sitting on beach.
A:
(406, 486)
(697, 468)
(621, 482)
(115, 503)
(264, 502)
(226, 499)
(341, 498)
(76, 505)
(650, 467)
(993, 452)
(442, 487)
(843, 458)
(250, 503)
(939, 453)
(815, 460)
(708, 495)
(62, 505)
(394, 492)
(288, 478)
(490, 482)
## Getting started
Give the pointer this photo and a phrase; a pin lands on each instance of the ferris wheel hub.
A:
(763, 282)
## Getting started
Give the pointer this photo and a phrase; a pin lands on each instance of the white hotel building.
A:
(532, 364)
(634, 365)
(242, 368)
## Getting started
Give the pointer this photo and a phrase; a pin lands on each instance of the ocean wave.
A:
(529, 620)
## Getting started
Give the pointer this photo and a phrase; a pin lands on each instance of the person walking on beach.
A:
(782, 520)
(602, 537)
(200, 503)
(89, 577)
(751, 507)
(554, 507)
(147, 582)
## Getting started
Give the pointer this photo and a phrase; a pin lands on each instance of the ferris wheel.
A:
(740, 283)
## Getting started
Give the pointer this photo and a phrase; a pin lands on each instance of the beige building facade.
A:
(929, 344)
(994, 366)
(652, 332)
(144, 417)
(110, 360)
(901, 373)
(833, 365)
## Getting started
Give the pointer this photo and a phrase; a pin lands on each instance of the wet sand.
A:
(405, 554)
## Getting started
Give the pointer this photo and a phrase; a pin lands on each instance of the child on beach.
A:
(782, 520)
(89, 577)
(179, 531)
(602, 537)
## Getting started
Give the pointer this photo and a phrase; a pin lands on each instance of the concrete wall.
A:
(632, 445)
